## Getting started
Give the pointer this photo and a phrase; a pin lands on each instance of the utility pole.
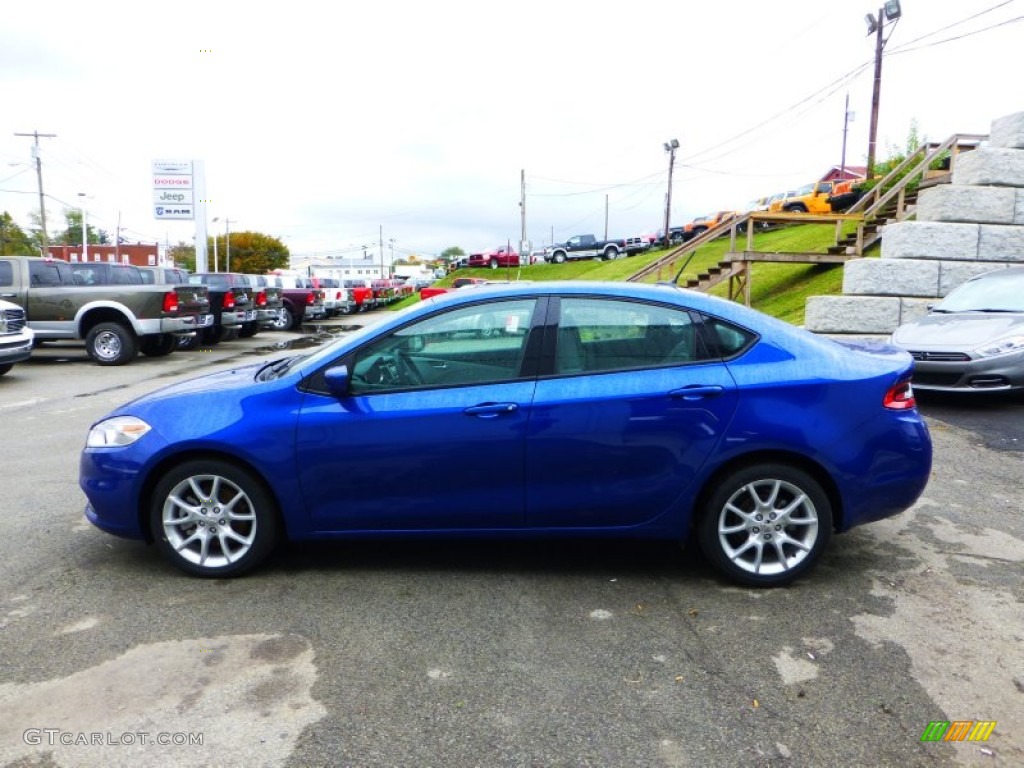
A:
(227, 244)
(670, 147)
(39, 176)
(522, 215)
(606, 217)
(890, 12)
(875, 96)
(380, 240)
(847, 116)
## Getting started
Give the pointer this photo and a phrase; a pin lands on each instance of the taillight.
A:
(900, 397)
(311, 298)
(261, 299)
(170, 302)
(229, 300)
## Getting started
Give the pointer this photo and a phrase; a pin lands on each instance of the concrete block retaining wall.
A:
(974, 225)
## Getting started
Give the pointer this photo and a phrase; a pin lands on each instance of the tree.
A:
(72, 233)
(452, 254)
(252, 253)
(183, 255)
(13, 240)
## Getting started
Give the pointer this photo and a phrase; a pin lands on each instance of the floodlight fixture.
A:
(892, 10)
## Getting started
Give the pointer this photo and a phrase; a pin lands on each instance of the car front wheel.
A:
(212, 518)
(765, 525)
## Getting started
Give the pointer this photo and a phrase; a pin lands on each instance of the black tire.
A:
(228, 527)
(111, 344)
(494, 263)
(213, 335)
(248, 330)
(799, 208)
(746, 531)
(158, 345)
(558, 257)
(5, 368)
(610, 254)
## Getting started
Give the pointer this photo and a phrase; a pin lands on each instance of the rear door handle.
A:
(697, 392)
(490, 410)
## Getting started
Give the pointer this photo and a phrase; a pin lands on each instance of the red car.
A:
(459, 282)
(504, 256)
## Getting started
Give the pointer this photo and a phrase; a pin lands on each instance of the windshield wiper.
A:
(276, 368)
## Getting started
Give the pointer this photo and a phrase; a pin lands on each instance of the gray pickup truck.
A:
(116, 322)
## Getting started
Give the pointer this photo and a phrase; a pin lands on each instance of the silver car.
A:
(972, 340)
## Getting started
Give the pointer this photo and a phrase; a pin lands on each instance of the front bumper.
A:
(15, 350)
(989, 374)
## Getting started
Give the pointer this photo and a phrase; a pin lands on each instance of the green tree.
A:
(13, 240)
(452, 254)
(252, 253)
(72, 232)
(183, 255)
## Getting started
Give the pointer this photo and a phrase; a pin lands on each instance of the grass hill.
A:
(778, 289)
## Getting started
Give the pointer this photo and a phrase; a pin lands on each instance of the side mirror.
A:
(337, 380)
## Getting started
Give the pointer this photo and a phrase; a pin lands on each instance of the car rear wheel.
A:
(212, 518)
(765, 525)
(494, 263)
(6, 367)
(111, 344)
(559, 257)
(282, 320)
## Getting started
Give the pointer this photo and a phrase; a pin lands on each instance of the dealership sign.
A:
(172, 189)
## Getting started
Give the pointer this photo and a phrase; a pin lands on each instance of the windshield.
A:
(1001, 291)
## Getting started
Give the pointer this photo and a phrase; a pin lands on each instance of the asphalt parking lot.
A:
(499, 654)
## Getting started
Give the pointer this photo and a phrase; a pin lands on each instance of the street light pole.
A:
(216, 265)
(889, 12)
(670, 147)
(227, 244)
(85, 229)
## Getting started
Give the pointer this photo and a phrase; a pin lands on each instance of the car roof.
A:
(659, 292)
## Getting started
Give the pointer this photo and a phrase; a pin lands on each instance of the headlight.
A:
(120, 430)
(1002, 347)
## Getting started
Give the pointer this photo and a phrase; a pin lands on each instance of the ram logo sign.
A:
(958, 730)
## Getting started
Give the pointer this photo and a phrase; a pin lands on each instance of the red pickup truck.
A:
(502, 256)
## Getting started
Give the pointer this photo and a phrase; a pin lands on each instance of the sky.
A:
(339, 127)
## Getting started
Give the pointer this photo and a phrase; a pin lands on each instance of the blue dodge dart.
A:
(571, 409)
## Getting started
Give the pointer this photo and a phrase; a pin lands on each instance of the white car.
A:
(15, 336)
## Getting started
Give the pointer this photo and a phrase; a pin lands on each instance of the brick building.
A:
(139, 254)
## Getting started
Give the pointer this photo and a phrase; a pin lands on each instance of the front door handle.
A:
(696, 392)
(490, 410)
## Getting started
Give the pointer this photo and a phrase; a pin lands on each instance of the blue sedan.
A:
(570, 408)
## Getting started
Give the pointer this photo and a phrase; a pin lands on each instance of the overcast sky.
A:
(333, 125)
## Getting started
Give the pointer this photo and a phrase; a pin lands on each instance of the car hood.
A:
(210, 384)
(962, 330)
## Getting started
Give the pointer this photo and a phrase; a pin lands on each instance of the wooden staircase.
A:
(888, 201)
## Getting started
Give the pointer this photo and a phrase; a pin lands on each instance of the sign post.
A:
(179, 193)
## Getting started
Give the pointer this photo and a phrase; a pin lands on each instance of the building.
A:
(139, 254)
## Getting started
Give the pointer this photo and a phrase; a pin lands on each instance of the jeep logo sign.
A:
(172, 196)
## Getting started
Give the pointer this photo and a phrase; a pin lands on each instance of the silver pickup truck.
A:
(116, 322)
